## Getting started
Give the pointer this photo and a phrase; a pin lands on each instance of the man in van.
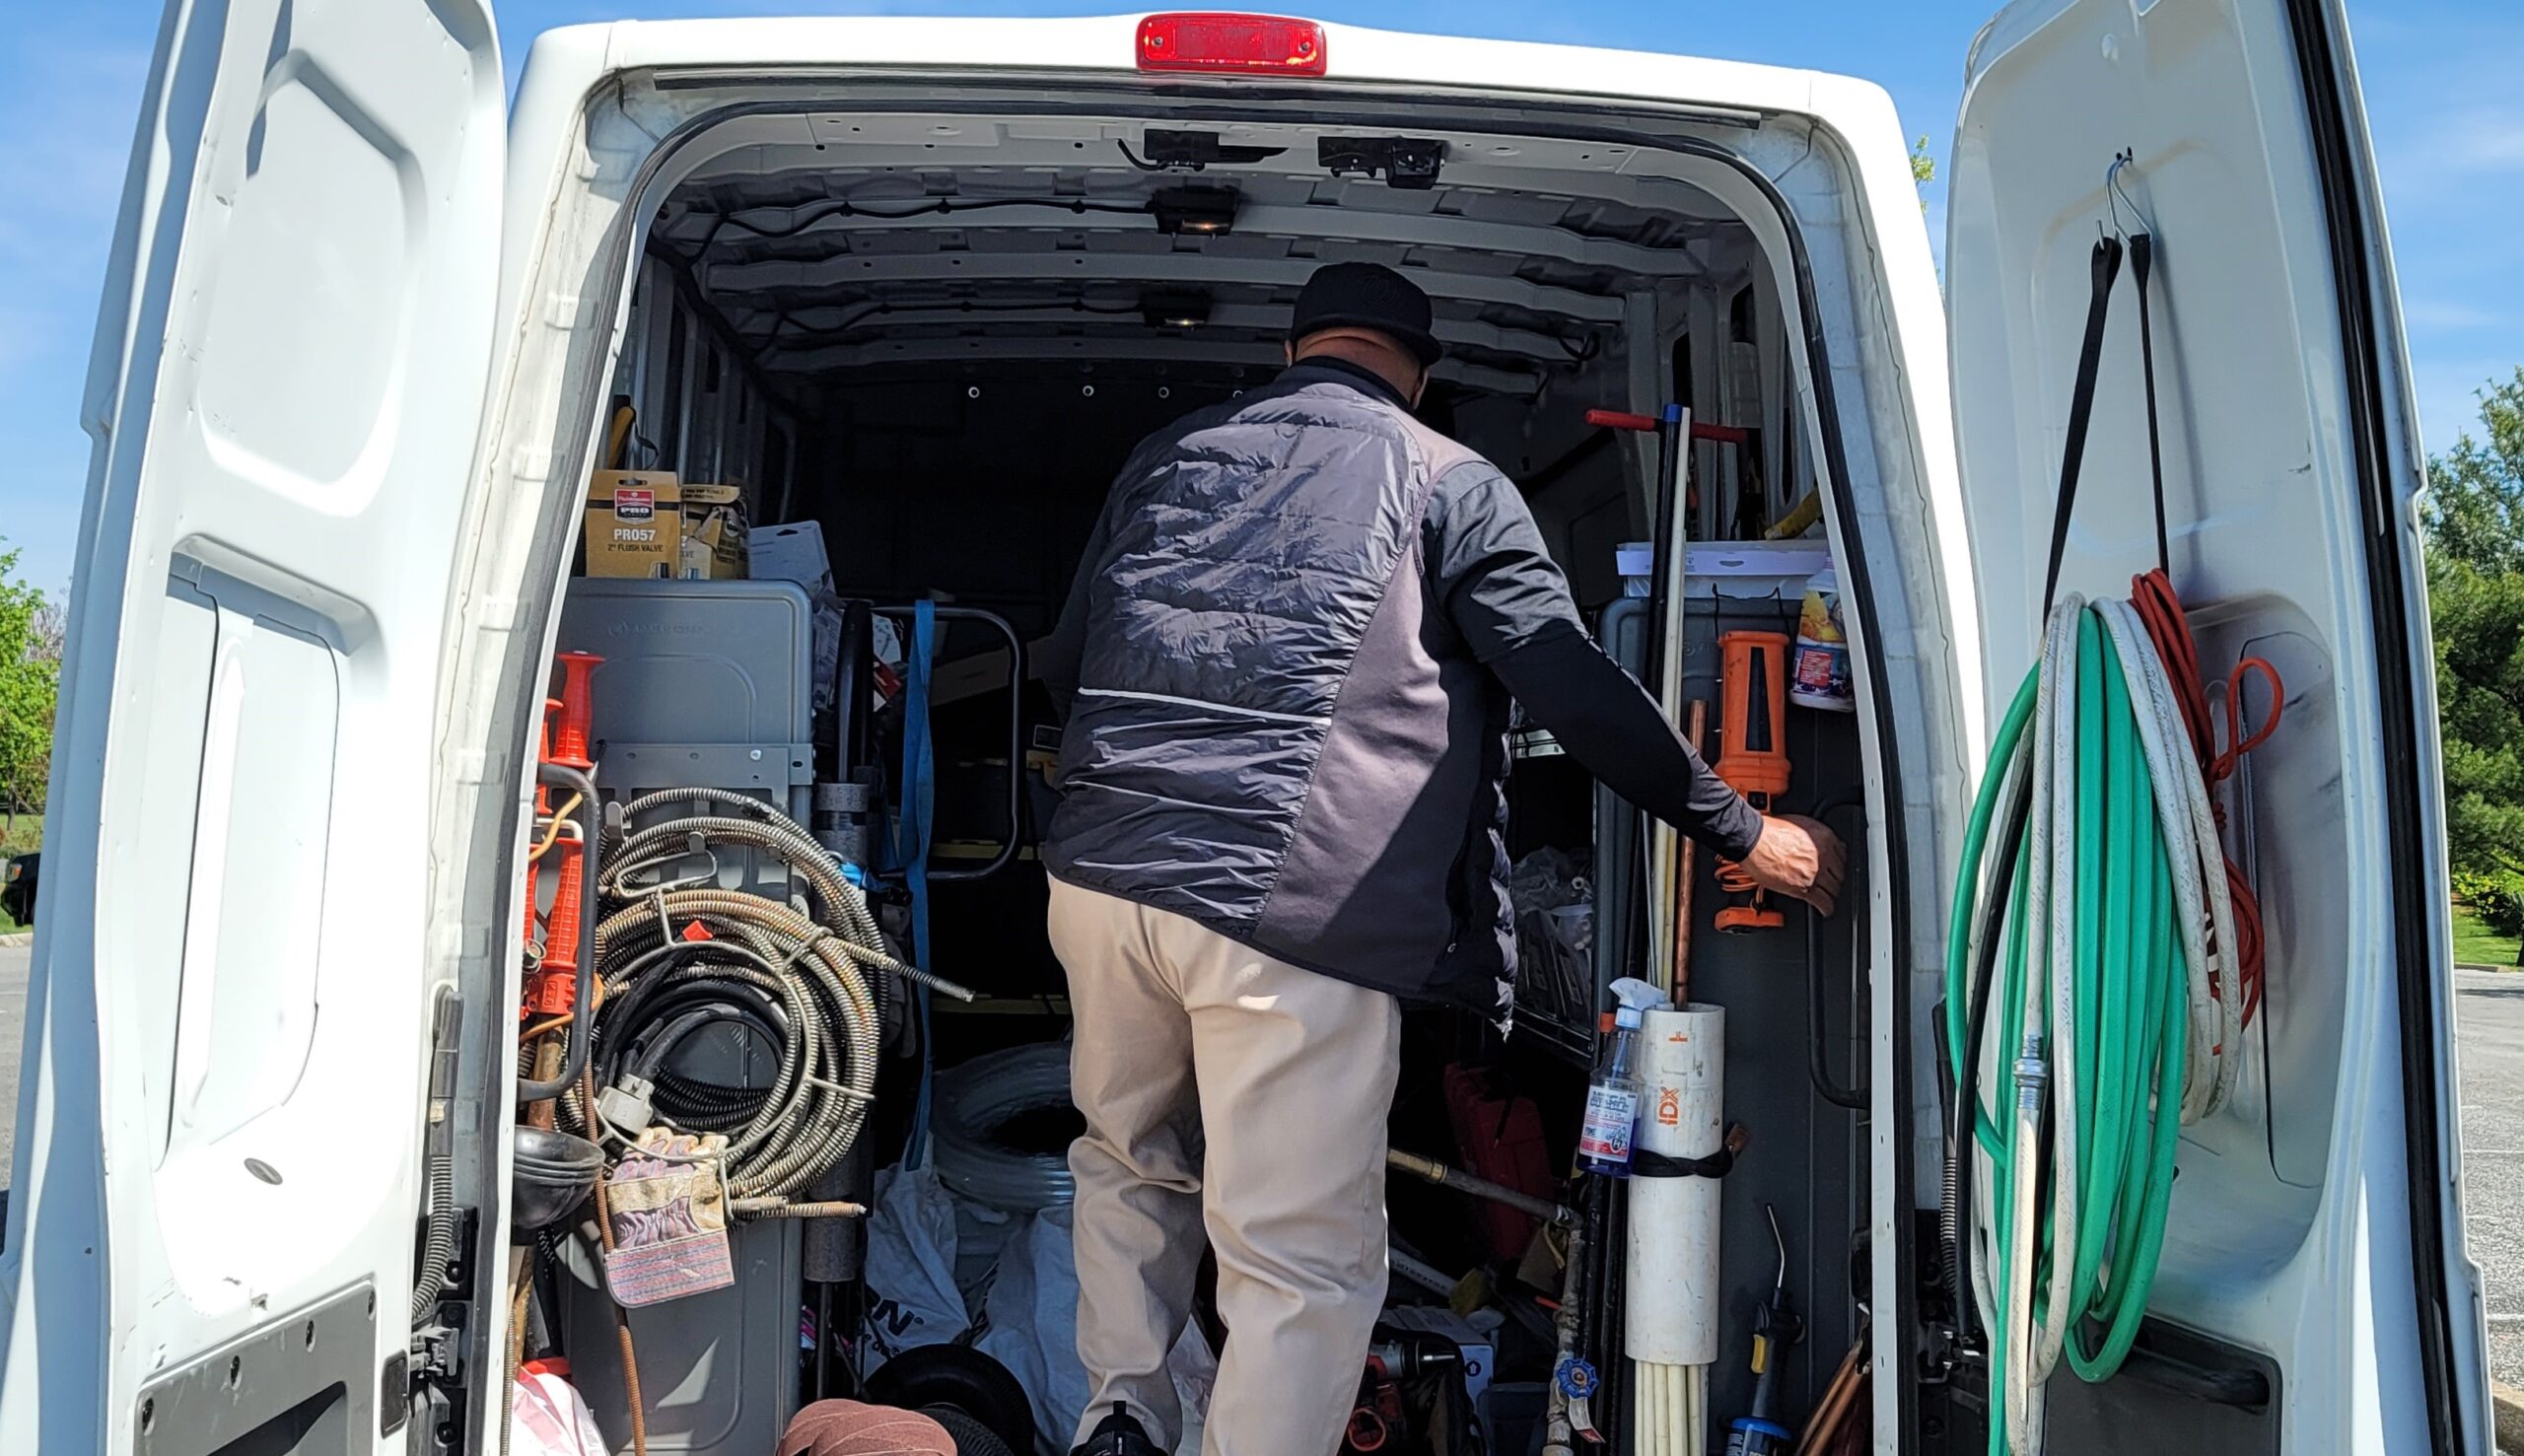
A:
(1286, 664)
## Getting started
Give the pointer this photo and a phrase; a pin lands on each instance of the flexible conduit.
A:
(762, 966)
(2096, 931)
(678, 957)
(976, 1103)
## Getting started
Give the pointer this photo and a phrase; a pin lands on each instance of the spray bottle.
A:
(1612, 1098)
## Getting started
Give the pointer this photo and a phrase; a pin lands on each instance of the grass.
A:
(2476, 944)
(28, 835)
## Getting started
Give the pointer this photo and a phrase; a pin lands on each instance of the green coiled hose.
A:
(2105, 985)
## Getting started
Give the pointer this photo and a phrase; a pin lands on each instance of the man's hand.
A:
(1799, 857)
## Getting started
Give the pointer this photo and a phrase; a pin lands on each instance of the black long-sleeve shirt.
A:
(1488, 567)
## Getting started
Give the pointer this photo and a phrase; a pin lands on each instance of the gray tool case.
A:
(704, 684)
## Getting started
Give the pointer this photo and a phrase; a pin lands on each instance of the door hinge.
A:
(437, 1383)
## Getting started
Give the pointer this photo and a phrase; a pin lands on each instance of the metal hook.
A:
(2119, 197)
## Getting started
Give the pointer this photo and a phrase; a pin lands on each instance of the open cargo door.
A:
(211, 1233)
(2313, 1291)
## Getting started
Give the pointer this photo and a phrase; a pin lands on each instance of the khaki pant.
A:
(1291, 1074)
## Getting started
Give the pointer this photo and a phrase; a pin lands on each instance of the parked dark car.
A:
(18, 888)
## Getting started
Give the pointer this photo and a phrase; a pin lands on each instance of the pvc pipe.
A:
(1666, 599)
(1674, 1315)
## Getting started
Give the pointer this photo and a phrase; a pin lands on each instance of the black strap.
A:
(2143, 260)
(1647, 1165)
(2107, 268)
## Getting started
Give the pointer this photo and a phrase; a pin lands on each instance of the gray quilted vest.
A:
(1276, 733)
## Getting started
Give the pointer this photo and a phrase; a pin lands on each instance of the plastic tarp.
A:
(547, 1417)
(1032, 1319)
(911, 1265)
(1028, 1302)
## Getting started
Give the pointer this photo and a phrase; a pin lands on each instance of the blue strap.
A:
(911, 843)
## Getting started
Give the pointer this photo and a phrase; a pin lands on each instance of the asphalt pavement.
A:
(2488, 1030)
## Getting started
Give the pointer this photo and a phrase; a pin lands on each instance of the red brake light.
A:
(1222, 43)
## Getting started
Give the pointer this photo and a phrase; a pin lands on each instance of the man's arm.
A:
(1057, 658)
(1607, 722)
(1504, 594)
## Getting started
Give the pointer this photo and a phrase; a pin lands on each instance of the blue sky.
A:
(2447, 114)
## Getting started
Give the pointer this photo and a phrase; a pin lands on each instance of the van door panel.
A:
(217, 1181)
(2289, 537)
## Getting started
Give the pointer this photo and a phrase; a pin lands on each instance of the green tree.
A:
(2474, 513)
(2474, 508)
(30, 684)
(1922, 166)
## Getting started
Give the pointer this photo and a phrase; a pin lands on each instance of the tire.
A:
(961, 1378)
(971, 1437)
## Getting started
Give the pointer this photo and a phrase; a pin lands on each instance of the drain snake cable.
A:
(2114, 1024)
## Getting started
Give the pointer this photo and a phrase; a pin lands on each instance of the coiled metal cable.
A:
(676, 957)
(762, 966)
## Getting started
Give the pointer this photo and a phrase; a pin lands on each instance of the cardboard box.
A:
(714, 537)
(634, 523)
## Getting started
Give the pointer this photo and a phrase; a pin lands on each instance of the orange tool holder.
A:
(1752, 750)
(554, 989)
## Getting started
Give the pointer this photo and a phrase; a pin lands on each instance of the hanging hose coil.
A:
(2098, 933)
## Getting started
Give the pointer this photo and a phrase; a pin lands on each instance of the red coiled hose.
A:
(2151, 593)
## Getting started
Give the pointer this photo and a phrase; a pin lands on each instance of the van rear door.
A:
(210, 1239)
(2314, 1242)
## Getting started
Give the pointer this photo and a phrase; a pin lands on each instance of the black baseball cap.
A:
(1365, 296)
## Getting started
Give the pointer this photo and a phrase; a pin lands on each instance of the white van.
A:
(923, 282)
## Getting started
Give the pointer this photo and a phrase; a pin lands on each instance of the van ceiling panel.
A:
(1097, 263)
(840, 240)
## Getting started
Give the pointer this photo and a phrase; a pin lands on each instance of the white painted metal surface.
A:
(2302, 1178)
(220, 1124)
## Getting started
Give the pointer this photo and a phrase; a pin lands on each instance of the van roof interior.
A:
(857, 268)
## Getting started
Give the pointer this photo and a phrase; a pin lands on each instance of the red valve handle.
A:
(1617, 419)
(569, 735)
